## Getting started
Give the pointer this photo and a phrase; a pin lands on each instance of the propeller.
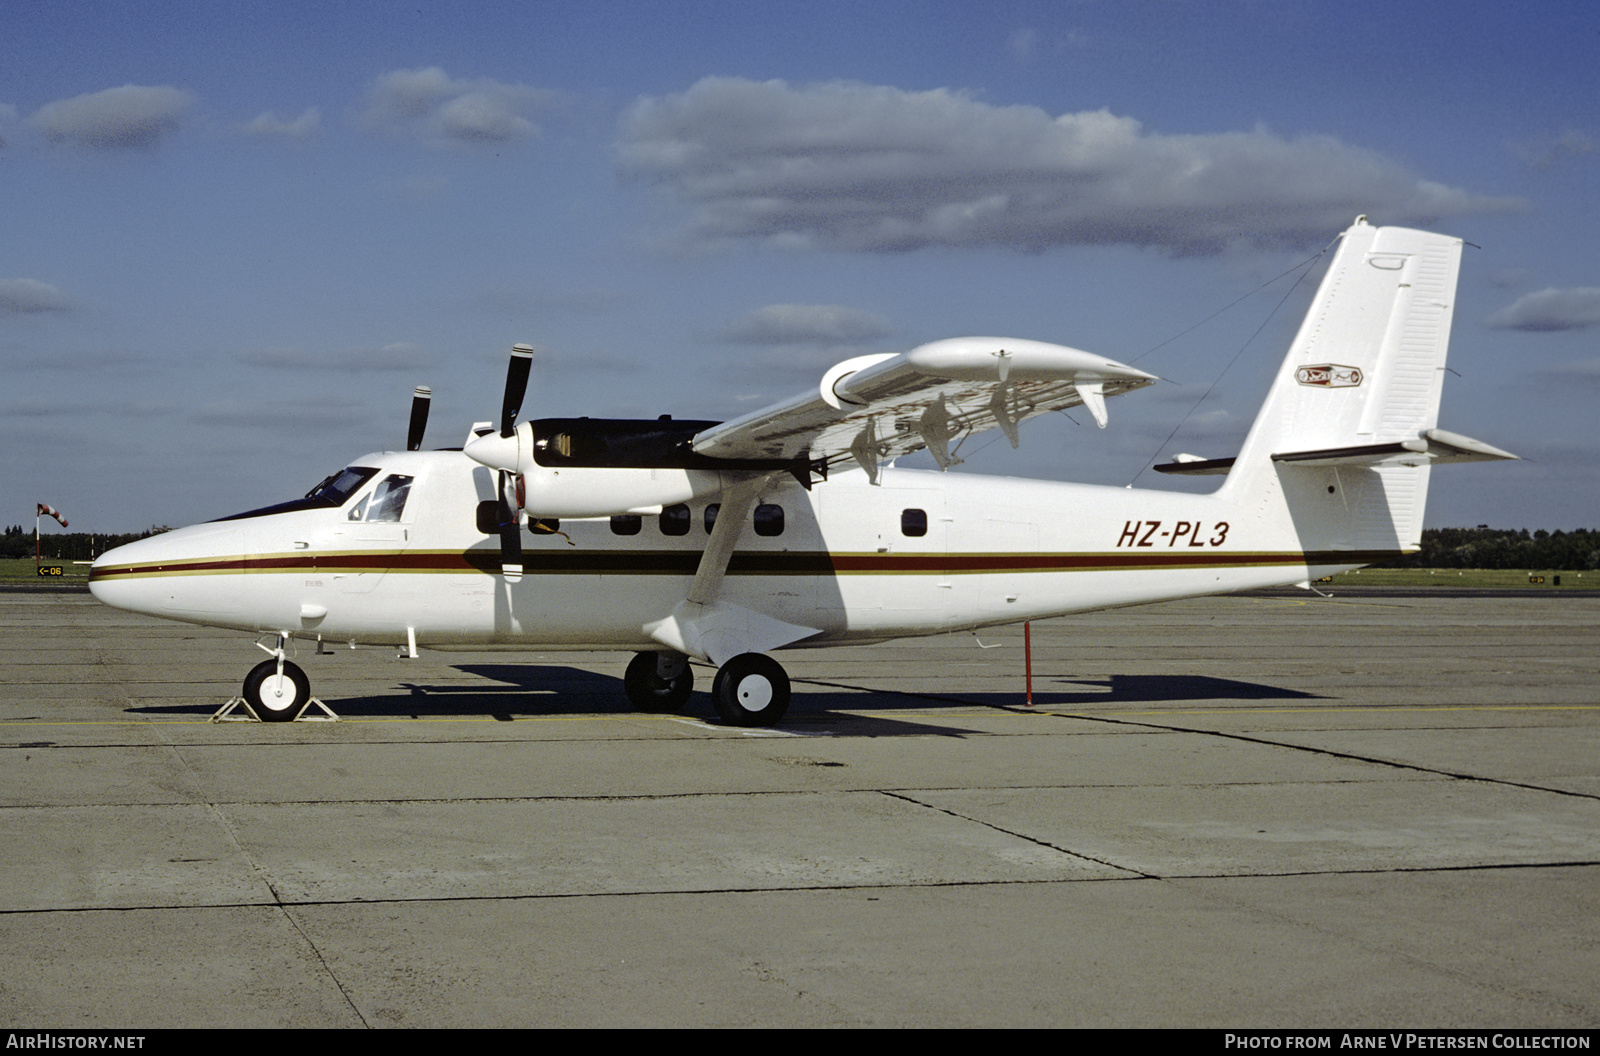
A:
(419, 417)
(503, 452)
(516, 387)
(511, 500)
(512, 495)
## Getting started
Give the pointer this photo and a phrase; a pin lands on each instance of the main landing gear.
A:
(749, 690)
(658, 682)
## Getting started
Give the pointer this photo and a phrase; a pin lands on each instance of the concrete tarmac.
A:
(1260, 811)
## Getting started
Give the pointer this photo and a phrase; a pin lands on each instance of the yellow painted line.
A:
(1329, 711)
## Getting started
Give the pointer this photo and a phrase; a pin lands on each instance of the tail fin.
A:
(1349, 429)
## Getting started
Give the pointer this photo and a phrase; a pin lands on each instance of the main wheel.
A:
(751, 690)
(648, 691)
(274, 697)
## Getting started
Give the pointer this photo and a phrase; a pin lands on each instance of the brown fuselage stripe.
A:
(685, 562)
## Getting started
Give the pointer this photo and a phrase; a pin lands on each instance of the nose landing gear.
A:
(275, 690)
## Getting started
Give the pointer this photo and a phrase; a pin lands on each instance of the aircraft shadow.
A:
(1118, 689)
(532, 690)
(1165, 689)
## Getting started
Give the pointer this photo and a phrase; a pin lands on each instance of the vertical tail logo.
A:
(1329, 376)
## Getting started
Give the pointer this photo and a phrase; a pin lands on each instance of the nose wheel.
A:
(275, 690)
(751, 690)
(274, 694)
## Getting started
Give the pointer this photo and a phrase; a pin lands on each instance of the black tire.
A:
(648, 691)
(275, 700)
(751, 690)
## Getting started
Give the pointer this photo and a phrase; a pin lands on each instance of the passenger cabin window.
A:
(769, 519)
(914, 522)
(626, 524)
(675, 520)
(711, 516)
(544, 525)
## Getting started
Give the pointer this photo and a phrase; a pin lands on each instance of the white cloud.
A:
(31, 295)
(115, 119)
(399, 356)
(1584, 374)
(1550, 309)
(1025, 44)
(866, 167)
(511, 301)
(789, 324)
(304, 413)
(439, 111)
(305, 126)
(1551, 150)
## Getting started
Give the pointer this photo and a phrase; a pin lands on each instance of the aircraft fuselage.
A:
(919, 553)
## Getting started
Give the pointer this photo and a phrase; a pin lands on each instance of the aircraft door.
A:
(1010, 545)
(377, 531)
(915, 576)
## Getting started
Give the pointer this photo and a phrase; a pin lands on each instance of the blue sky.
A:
(235, 236)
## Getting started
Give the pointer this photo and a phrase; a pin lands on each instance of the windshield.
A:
(335, 490)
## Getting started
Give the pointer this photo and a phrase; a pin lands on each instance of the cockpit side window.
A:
(389, 500)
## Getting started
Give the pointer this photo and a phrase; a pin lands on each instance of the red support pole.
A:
(1027, 657)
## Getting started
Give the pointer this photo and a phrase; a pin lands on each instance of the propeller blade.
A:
(511, 551)
(419, 417)
(510, 531)
(516, 386)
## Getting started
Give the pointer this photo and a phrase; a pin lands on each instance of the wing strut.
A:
(737, 502)
(702, 626)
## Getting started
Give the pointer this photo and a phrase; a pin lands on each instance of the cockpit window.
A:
(388, 502)
(337, 489)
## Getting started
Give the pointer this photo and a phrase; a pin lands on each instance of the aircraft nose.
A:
(115, 577)
(173, 571)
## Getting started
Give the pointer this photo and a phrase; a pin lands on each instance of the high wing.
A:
(876, 408)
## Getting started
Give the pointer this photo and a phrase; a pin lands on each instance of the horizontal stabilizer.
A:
(1435, 445)
(1197, 467)
(1453, 447)
(1403, 452)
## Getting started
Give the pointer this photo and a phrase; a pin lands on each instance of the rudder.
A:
(1344, 434)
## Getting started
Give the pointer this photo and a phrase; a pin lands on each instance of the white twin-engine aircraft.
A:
(721, 542)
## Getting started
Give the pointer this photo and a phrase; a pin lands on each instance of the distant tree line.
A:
(65, 546)
(1484, 547)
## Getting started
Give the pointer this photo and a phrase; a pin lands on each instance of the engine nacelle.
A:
(604, 491)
